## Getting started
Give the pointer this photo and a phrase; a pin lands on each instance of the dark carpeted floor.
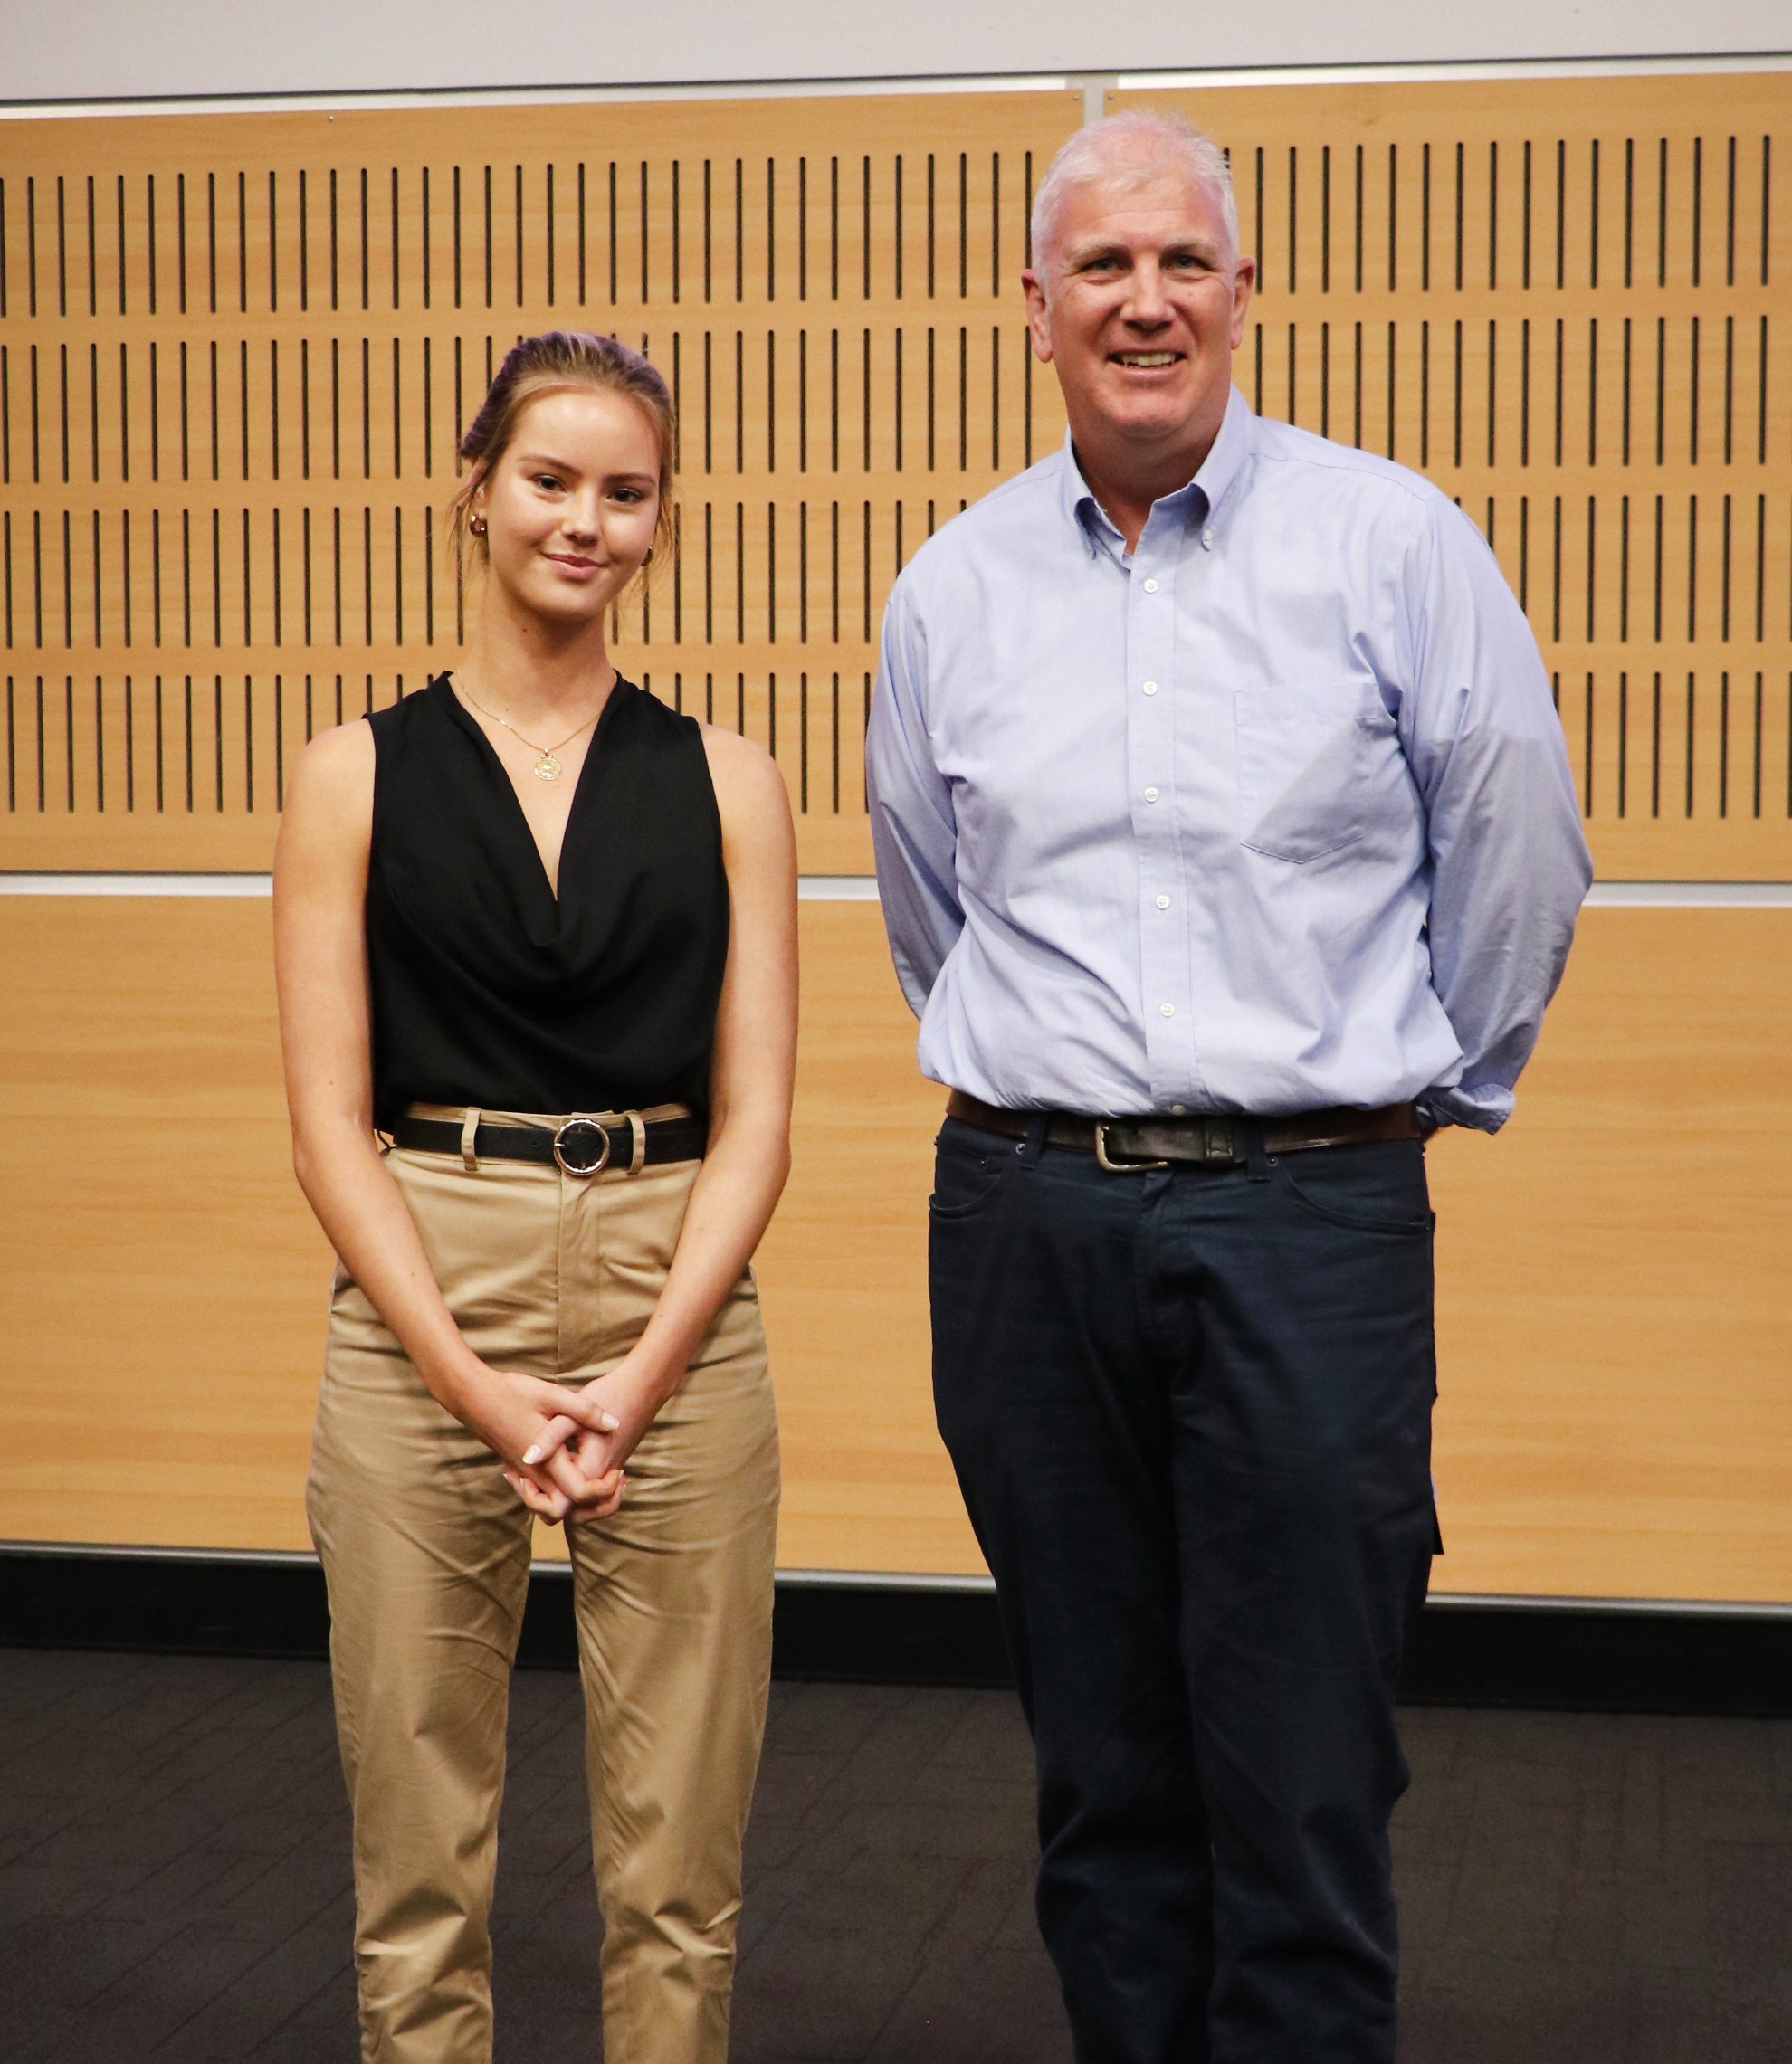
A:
(174, 1880)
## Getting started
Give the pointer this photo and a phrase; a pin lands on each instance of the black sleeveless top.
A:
(485, 989)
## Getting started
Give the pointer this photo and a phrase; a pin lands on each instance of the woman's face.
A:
(571, 505)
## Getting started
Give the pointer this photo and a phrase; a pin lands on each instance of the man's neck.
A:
(1126, 479)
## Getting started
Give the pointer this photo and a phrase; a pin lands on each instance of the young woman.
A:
(538, 932)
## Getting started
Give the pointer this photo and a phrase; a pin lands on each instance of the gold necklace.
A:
(547, 766)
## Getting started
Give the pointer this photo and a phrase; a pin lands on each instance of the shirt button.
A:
(1207, 539)
(1166, 1010)
(1163, 902)
(1178, 1110)
(1151, 687)
(1150, 795)
(1150, 587)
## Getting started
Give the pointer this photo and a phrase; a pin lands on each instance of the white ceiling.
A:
(85, 50)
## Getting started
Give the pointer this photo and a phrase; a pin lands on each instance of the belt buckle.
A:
(1118, 1167)
(582, 1123)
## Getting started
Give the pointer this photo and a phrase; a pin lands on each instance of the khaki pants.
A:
(426, 1552)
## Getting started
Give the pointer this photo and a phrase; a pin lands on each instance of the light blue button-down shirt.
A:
(1272, 815)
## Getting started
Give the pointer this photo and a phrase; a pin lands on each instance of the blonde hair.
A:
(556, 360)
(1128, 149)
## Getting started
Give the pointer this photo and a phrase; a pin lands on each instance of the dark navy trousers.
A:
(1190, 1412)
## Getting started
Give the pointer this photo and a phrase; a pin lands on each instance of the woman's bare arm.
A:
(752, 1076)
(321, 877)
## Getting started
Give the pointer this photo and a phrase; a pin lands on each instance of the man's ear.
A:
(1038, 321)
(1243, 280)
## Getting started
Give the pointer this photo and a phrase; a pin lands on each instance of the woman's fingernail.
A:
(609, 1422)
(532, 1455)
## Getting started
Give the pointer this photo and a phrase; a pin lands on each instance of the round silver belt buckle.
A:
(572, 1133)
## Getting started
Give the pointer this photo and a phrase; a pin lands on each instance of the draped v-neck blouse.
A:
(487, 989)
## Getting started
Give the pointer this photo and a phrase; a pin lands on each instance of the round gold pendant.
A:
(547, 768)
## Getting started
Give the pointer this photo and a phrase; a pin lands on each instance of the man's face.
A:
(1140, 305)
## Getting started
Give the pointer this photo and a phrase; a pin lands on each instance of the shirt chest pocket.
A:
(1304, 761)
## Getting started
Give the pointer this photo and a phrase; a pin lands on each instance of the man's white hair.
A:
(1132, 149)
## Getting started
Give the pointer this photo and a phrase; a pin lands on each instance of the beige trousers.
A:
(426, 1552)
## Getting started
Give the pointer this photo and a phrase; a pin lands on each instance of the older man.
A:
(1227, 847)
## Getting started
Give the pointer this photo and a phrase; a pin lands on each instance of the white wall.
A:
(82, 50)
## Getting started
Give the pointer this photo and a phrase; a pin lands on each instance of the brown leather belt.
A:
(1202, 1139)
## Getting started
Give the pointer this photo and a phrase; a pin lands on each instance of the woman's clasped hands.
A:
(565, 1451)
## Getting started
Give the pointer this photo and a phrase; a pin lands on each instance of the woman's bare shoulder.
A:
(331, 792)
(753, 802)
(743, 771)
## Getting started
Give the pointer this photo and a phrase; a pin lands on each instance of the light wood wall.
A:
(238, 352)
(1614, 1326)
(235, 353)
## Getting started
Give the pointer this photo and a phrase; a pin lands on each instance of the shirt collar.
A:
(1198, 503)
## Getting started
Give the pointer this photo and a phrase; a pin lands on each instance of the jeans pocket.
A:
(1376, 1188)
(967, 1174)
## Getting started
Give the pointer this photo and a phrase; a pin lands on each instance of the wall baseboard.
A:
(1572, 1656)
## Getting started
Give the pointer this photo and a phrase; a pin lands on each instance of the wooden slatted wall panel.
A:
(1565, 302)
(238, 353)
(235, 353)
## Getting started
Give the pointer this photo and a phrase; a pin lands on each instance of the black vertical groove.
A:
(1556, 574)
(1391, 389)
(1456, 407)
(1425, 219)
(1592, 390)
(1593, 217)
(1562, 213)
(994, 222)
(1325, 222)
(1691, 568)
(1624, 570)
(1692, 398)
(1698, 208)
(1661, 513)
(1293, 176)
(1461, 148)
(1625, 414)
(1524, 393)
(1660, 390)
(1393, 219)
(1662, 214)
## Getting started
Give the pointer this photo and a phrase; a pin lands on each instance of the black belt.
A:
(580, 1145)
(1201, 1139)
